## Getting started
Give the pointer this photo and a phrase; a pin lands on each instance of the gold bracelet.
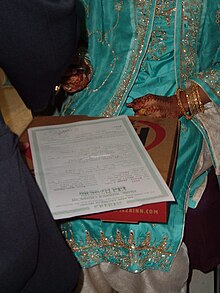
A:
(179, 102)
(194, 100)
(200, 104)
(191, 105)
(194, 96)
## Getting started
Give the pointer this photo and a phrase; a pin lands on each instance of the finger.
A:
(130, 105)
(23, 146)
(137, 115)
(141, 112)
(136, 104)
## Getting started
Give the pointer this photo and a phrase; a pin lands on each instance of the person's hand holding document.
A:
(94, 166)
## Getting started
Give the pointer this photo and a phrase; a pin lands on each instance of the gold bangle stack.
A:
(181, 107)
(193, 100)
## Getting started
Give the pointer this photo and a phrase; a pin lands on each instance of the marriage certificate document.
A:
(94, 166)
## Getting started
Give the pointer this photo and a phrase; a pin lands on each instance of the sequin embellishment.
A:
(121, 250)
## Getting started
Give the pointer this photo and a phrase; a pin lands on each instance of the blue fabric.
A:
(139, 48)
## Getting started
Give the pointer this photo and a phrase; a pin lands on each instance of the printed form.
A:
(94, 166)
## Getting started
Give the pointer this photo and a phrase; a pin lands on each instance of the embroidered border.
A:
(126, 253)
(212, 78)
(191, 13)
(144, 7)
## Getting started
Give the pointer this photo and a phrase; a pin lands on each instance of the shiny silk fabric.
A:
(137, 47)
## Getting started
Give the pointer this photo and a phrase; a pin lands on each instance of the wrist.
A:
(182, 104)
(189, 101)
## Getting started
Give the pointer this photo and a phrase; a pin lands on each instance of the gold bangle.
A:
(194, 99)
(191, 105)
(200, 104)
(179, 102)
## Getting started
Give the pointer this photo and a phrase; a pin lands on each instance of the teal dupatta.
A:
(119, 35)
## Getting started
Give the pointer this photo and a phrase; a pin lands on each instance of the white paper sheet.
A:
(94, 166)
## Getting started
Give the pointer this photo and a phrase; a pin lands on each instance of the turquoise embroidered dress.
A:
(139, 47)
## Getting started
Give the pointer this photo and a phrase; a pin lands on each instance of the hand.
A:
(75, 79)
(78, 74)
(155, 106)
(23, 146)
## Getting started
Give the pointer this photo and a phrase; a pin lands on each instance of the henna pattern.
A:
(155, 106)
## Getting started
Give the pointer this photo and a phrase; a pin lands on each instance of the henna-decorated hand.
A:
(78, 74)
(75, 79)
(155, 106)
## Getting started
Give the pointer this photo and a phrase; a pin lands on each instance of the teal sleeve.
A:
(209, 79)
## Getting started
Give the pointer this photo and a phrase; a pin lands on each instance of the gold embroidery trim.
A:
(143, 21)
(124, 253)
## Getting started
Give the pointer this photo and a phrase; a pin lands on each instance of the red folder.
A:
(160, 139)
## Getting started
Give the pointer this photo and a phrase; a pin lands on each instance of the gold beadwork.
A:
(121, 250)
(144, 8)
(211, 77)
(191, 15)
